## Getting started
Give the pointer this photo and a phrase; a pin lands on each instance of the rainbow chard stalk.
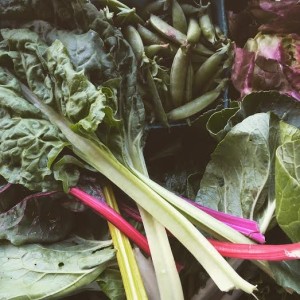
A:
(247, 227)
(132, 280)
(111, 216)
(231, 250)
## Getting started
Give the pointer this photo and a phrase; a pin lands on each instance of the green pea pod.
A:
(189, 83)
(193, 107)
(161, 49)
(135, 41)
(178, 76)
(158, 107)
(207, 28)
(178, 17)
(197, 105)
(208, 69)
(211, 84)
(202, 50)
(196, 58)
(194, 31)
(148, 36)
(167, 30)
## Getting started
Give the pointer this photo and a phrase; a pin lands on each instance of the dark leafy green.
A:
(39, 218)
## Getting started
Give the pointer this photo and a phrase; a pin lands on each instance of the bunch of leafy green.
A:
(69, 102)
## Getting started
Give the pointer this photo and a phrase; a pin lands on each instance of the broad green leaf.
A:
(235, 177)
(287, 179)
(39, 218)
(51, 271)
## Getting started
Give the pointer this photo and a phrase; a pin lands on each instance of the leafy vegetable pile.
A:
(87, 88)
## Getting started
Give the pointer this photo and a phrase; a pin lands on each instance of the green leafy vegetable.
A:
(39, 218)
(287, 188)
(41, 271)
(98, 156)
(235, 178)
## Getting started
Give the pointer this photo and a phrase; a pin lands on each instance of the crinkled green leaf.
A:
(51, 271)
(287, 179)
(39, 218)
(86, 50)
(80, 101)
(26, 145)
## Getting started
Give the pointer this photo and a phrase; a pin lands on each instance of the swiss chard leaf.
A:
(287, 178)
(235, 177)
(39, 218)
(26, 146)
(51, 271)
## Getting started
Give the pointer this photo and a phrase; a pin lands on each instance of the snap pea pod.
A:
(162, 49)
(178, 76)
(158, 107)
(167, 30)
(197, 105)
(207, 28)
(196, 58)
(194, 31)
(135, 41)
(178, 18)
(208, 69)
(202, 50)
(213, 81)
(148, 36)
(189, 83)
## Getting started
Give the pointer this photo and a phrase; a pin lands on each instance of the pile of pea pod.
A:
(181, 54)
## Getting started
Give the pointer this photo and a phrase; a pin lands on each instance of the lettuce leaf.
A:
(268, 62)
